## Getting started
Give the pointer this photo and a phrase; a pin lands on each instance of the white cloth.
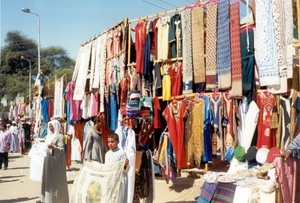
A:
(93, 63)
(82, 73)
(58, 98)
(76, 148)
(128, 144)
(249, 118)
(37, 155)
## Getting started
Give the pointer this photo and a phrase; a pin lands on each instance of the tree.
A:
(14, 72)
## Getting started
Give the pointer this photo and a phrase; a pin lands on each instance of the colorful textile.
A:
(223, 46)
(265, 46)
(140, 37)
(207, 192)
(211, 46)
(97, 182)
(187, 52)
(224, 193)
(198, 44)
(235, 48)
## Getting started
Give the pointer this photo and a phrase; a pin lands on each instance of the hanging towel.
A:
(187, 52)
(211, 46)
(223, 46)
(235, 48)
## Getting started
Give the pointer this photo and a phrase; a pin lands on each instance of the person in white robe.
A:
(116, 154)
(14, 145)
(54, 182)
(128, 144)
(94, 147)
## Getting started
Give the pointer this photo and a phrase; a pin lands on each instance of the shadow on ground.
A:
(23, 199)
(17, 168)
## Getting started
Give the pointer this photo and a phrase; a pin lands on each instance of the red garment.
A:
(156, 113)
(175, 71)
(174, 114)
(124, 87)
(265, 102)
(154, 37)
(50, 108)
(140, 38)
(78, 131)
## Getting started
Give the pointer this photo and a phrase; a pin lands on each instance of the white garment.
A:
(37, 154)
(93, 63)
(128, 144)
(85, 105)
(76, 148)
(249, 118)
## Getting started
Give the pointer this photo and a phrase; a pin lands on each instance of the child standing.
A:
(116, 154)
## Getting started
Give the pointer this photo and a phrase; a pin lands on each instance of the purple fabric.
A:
(207, 192)
(224, 193)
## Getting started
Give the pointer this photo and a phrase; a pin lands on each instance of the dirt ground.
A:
(15, 185)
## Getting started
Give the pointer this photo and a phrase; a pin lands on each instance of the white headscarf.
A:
(52, 136)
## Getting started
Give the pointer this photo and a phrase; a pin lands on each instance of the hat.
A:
(14, 122)
(272, 154)
(251, 153)
(229, 154)
(261, 155)
(8, 124)
(239, 153)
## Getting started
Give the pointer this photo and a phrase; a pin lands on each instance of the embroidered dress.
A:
(175, 71)
(228, 122)
(175, 36)
(223, 46)
(140, 37)
(174, 114)
(187, 52)
(285, 108)
(265, 47)
(217, 137)
(166, 83)
(211, 46)
(265, 102)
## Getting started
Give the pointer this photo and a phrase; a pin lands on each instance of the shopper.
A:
(54, 182)
(5, 140)
(94, 147)
(116, 154)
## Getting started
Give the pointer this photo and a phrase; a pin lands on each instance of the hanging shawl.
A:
(211, 46)
(223, 46)
(187, 74)
(265, 47)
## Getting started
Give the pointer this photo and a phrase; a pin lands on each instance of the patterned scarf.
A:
(235, 47)
(265, 47)
(187, 52)
(198, 44)
(223, 46)
(211, 46)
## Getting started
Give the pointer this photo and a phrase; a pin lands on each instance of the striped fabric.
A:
(207, 192)
(224, 193)
(211, 46)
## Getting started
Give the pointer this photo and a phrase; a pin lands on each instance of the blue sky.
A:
(69, 23)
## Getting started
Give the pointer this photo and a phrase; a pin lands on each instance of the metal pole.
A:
(29, 89)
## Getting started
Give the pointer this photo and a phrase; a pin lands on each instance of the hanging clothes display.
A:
(162, 38)
(175, 36)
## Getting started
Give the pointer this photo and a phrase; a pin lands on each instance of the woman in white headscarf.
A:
(54, 182)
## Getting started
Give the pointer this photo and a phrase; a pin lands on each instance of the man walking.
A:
(5, 139)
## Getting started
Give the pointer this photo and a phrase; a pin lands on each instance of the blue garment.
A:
(43, 132)
(207, 156)
(44, 110)
(147, 49)
(113, 109)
